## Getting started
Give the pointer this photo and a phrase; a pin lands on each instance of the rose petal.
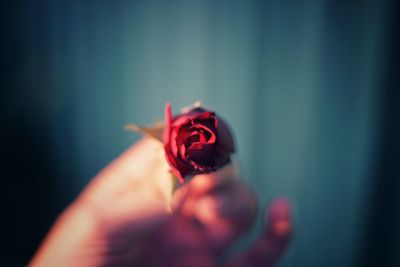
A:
(212, 138)
(173, 141)
(198, 169)
(194, 111)
(195, 136)
(180, 120)
(168, 122)
(210, 123)
(204, 115)
(225, 137)
(183, 134)
(222, 157)
(179, 169)
(202, 154)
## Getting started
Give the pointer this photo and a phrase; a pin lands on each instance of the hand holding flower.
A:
(127, 216)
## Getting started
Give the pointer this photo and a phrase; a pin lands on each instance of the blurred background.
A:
(311, 89)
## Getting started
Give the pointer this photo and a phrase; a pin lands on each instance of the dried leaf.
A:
(155, 131)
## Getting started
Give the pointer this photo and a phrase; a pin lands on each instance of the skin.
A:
(127, 216)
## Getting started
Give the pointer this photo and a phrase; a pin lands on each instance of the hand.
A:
(127, 216)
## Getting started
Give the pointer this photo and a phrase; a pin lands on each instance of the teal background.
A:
(302, 84)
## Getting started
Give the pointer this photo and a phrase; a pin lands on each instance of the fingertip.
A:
(279, 216)
(203, 183)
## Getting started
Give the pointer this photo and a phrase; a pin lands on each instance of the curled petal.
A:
(168, 122)
(212, 138)
(179, 169)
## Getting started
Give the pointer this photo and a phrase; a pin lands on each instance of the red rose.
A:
(196, 141)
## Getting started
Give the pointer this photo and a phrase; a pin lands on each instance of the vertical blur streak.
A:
(382, 236)
(310, 88)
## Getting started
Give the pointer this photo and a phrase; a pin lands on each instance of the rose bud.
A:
(196, 141)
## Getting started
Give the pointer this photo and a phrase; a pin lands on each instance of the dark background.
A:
(311, 89)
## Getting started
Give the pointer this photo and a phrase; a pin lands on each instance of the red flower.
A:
(196, 141)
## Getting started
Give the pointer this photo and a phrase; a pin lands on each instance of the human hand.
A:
(127, 216)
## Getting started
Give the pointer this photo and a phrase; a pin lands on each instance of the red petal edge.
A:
(166, 137)
(168, 122)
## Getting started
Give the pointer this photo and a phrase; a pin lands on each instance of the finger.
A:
(273, 241)
(222, 206)
(225, 215)
(205, 183)
(202, 185)
(236, 205)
